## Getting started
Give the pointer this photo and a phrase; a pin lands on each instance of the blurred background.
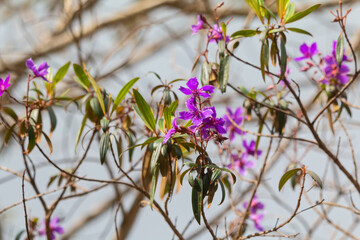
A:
(120, 40)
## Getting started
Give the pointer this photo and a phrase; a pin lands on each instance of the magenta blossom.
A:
(195, 114)
(255, 205)
(54, 227)
(250, 149)
(216, 35)
(193, 89)
(307, 51)
(40, 71)
(335, 73)
(4, 84)
(200, 25)
(257, 218)
(172, 131)
(241, 163)
(237, 118)
(212, 123)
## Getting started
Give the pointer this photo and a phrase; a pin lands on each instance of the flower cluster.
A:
(215, 33)
(204, 119)
(240, 161)
(54, 228)
(4, 84)
(255, 207)
(40, 71)
(332, 73)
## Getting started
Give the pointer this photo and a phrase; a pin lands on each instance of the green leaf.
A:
(183, 175)
(289, 11)
(167, 118)
(264, 58)
(48, 141)
(340, 49)
(205, 73)
(104, 123)
(95, 106)
(282, 7)
(97, 92)
(302, 14)
(148, 141)
(81, 129)
(244, 33)
(222, 192)
(104, 146)
(11, 113)
(223, 28)
(81, 77)
(224, 72)
(298, 30)
(256, 6)
(316, 178)
(173, 106)
(156, 153)
(60, 74)
(121, 95)
(145, 111)
(222, 169)
(197, 198)
(53, 120)
(215, 175)
(18, 236)
(287, 176)
(155, 173)
(8, 133)
(283, 56)
(32, 140)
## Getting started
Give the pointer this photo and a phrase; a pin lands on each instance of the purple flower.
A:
(196, 115)
(216, 35)
(237, 118)
(172, 131)
(40, 71)
(212, 122)
(200, 25)
(54, 227)
(255, 205)
(4, 84)
(250, 149)
(193, 89)
(334, 72)
(307, 51)
(241, 163)
(257, 218)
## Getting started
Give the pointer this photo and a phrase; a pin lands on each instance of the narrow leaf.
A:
(196, 198)
(104, 146)
(53, 120)
(298, 30)
(121, 95)
(287, 176)
(82, 79)
(97, 92)
(340, 49)
(145, 111)
(244, 33)
(224, 72)
(315, 177)
(60, 74)
(300, 15)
